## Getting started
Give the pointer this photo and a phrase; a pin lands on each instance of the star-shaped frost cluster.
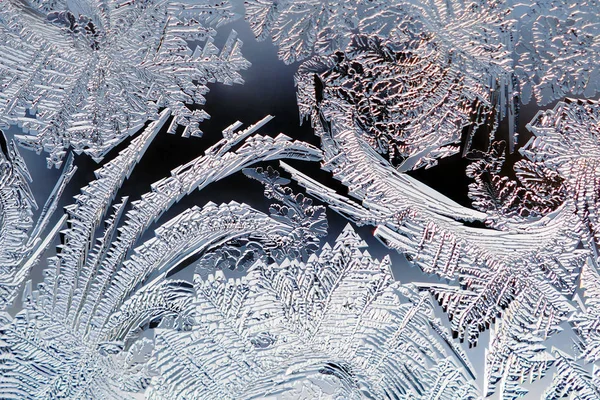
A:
(85, 76)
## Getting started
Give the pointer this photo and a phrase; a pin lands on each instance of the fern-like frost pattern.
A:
(88, 76)
(228, 301)
(271, 332)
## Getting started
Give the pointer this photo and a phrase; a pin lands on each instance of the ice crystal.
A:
(16, 220)
(79, 334)
(537, 190)
(413, 75)
(573, 380)
(410, 103)
(85, 75)
(530, 273)
(20, 239)
(388, 87)
(557, 48)
(567, 142)
(336, 326)
(519, 275)
(482, 58)
(382, 77)
(300, 28)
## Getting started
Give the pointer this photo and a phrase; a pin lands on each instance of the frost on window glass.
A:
(461, 138)
(85, 74)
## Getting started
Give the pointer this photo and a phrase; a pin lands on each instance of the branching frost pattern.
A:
(86, 78)
(388, 87)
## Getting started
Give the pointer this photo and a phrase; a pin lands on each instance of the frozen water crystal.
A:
(272, 309)
(85, 75)
(79, 334)
(337, 326)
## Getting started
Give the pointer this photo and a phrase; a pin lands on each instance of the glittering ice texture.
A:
(274, 309)
(557, 48)
(337, 326)
(518, 277)
(88, 76)
(79, 334)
